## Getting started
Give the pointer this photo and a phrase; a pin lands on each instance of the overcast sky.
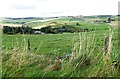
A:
(46, 8)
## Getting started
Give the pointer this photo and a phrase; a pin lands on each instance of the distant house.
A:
(79, 16)
(38, 32)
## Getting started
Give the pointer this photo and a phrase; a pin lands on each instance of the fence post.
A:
(106, 45)
(105, 55)
(28, 44)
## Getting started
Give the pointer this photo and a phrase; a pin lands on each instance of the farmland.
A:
(48, 43)
(38, 57)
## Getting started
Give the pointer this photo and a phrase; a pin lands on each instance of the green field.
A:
(17, 21)
(88, 54)
(54, 46)
(50, 43)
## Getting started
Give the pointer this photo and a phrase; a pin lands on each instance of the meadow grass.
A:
(86, 55)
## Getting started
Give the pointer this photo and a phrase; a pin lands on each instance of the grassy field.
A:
(52, 46)
(71, 22)
(84, 54)
(50, 43)
(17, 21)
(114, 24)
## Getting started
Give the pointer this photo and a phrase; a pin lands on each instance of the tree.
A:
(77, 24)
(109, 20)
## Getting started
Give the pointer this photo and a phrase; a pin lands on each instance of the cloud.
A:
(57, 12)
(24, 7)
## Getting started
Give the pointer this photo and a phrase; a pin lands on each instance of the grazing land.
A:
(91, 53)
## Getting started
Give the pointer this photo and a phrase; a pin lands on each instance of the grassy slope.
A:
(71, 22)
(60, 22)
(33, 63)
(11, 21)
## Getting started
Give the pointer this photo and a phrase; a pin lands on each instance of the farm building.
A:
(38, 32)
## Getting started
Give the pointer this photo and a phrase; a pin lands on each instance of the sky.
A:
(52, 8)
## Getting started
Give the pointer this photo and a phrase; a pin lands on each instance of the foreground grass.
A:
(85, 52)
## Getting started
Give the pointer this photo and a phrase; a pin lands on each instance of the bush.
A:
(16, 30)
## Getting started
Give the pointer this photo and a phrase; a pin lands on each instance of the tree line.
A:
(46, 30)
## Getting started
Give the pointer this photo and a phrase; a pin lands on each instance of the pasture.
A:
(84, 54)
(51, 43)
(51, 46)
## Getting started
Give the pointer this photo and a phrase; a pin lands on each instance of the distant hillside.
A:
(25, 18)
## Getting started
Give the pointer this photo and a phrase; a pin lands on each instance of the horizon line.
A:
(58, 16)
